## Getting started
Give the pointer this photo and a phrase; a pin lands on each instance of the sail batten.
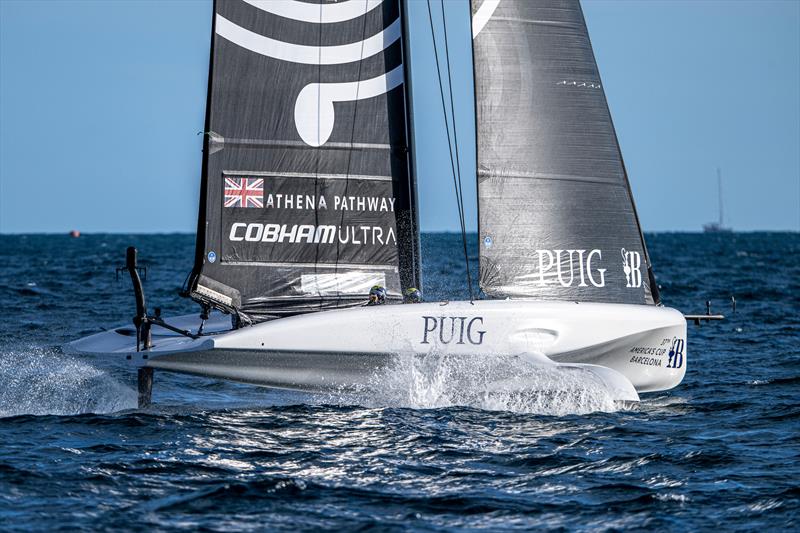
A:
(301, 175)
(305, 190)
(556, 216)
(486, 173)
(300, 145)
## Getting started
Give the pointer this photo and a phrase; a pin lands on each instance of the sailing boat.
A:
(309, 200)
(717, 227)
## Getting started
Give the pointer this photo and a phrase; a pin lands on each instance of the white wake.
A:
(521, 384)
(37, 381)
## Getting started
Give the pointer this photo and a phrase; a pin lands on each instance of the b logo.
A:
(632, 265)
(676, 353)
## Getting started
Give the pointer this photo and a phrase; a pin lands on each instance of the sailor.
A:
(377, 295)
(412, 295)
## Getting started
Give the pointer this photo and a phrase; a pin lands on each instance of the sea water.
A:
(434, 449)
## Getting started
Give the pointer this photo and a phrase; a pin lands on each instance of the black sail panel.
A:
(556, 215)
(307, 197)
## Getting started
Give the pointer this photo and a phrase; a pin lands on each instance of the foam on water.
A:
(37, 381)
(531, 384)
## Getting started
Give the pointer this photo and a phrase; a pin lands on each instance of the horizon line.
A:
(438, 232)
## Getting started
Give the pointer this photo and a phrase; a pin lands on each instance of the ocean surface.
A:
(720, 451)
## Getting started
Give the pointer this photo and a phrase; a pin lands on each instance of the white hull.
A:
(341, 349)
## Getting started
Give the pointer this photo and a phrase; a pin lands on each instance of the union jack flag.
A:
(244, 192)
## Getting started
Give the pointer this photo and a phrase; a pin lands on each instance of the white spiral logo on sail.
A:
(317, 13)
(314, 111)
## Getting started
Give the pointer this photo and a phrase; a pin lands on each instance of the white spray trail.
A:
(37, 381)
(524, 384)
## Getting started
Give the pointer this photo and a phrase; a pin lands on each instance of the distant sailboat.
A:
(717, 227)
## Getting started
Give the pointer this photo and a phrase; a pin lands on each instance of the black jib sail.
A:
(556, 214)
(307, 198)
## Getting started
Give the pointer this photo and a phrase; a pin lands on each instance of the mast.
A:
(719, 191)
(201, 221)
(411, 275)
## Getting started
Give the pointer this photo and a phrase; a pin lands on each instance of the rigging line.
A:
(456, 182)
(452, 109)
(450, 148)
(413, 223)
(455, 133)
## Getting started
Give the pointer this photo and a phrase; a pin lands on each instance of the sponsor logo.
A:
(672, 347)
(648, 350)
(311, 234)
(339, 203)
(632, 266)
(580, 268)
(649, 361)
(571, 267)
(453, 329)
(212, 256)
(676, 353)
(249, 192)
(244, 192)
(487, 241)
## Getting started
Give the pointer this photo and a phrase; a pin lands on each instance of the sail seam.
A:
(560, 177)
(259, 143)
(537, 22)
(306, 175)
(390, 268)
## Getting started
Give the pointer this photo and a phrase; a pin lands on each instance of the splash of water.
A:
(531, 384)
(37, 381)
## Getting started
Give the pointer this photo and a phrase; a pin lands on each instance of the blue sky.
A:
(100, 103)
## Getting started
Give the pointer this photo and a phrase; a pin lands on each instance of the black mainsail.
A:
(307, 196)
(556, 215)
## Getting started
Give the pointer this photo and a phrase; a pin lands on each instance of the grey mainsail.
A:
(556, 214)
(307, 197)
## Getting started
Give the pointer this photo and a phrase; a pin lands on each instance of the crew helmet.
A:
(412, 295)
(377, 295)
